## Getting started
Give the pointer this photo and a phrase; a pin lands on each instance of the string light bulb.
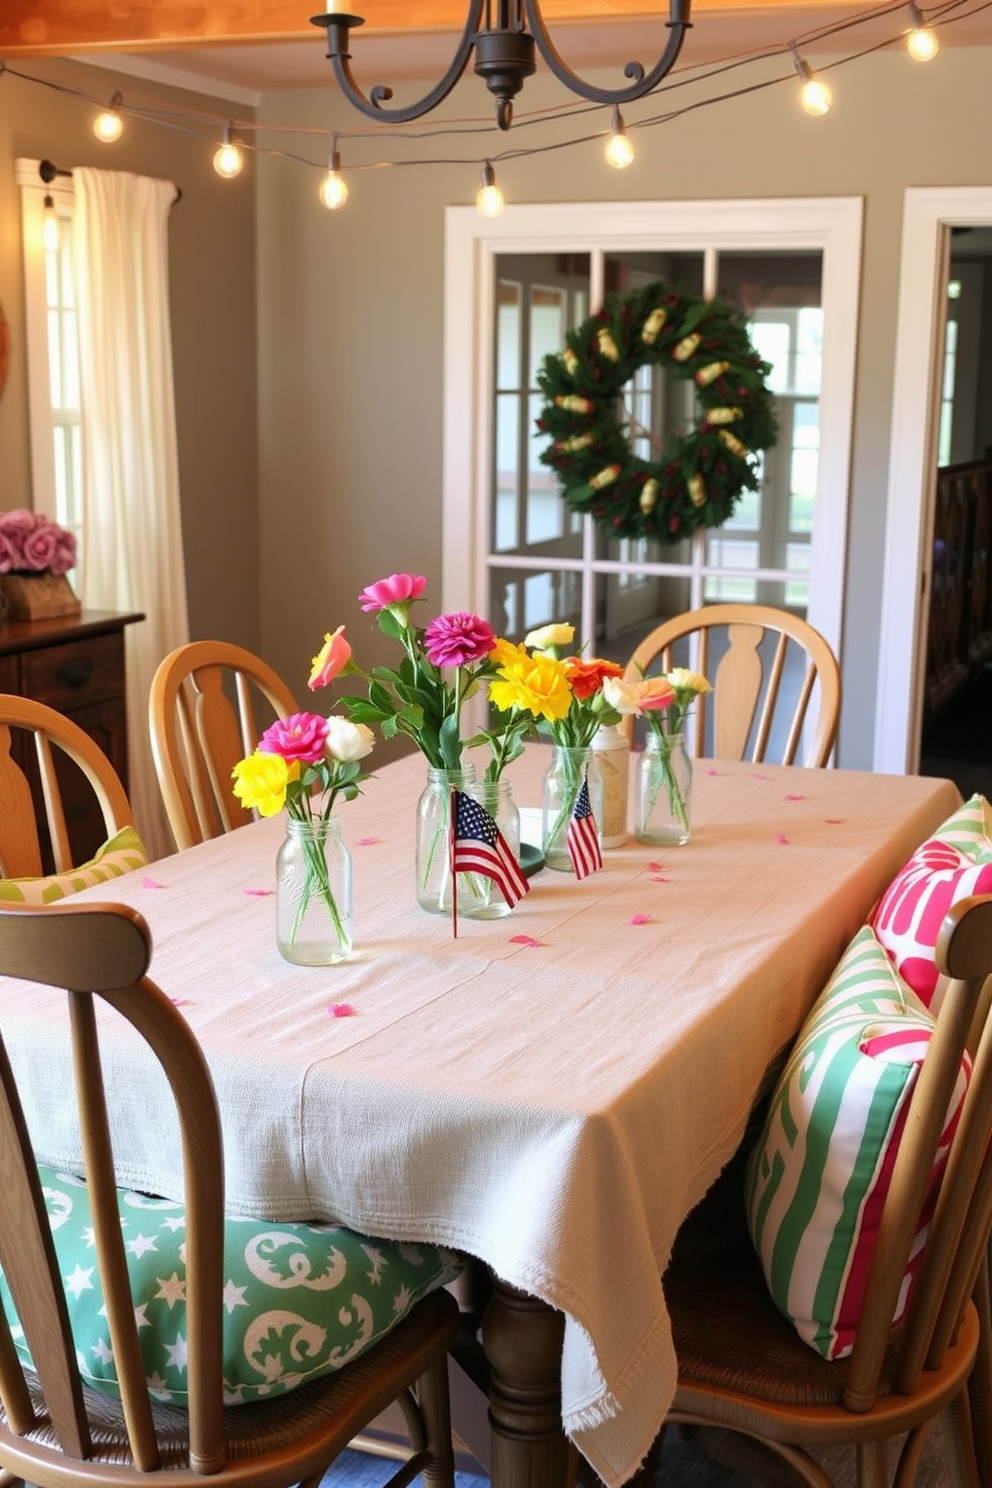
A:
(815, 96)
(228, 159)
(921, 40)
(489, 198)
(109, 126)
(333, 188)
(50, 227)
(619, 151)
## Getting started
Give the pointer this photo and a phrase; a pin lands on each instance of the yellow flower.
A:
(685, 681)
(260, 782)
(537, 684)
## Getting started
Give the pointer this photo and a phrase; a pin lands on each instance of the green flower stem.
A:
(318, 880)
(666, 776)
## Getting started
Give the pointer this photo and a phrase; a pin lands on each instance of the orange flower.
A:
(587, 677)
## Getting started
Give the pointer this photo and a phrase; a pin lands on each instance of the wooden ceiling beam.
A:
(58, 27)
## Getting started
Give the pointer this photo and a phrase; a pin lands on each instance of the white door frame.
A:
(928, 215)
(472, 242)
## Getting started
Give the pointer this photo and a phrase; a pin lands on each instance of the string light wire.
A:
(202, 124)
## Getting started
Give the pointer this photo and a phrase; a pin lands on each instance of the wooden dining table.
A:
(550, 1092)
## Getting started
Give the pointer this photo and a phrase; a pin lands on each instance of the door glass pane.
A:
(539, 298)
(780, 294)
(520, 601)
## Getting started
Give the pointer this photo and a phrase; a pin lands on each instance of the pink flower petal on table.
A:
(640, 919)
(792, 797)
(712, 771)
(258, 893)
(527, 940)
(781, 839)
(340, 1009)
(179, 1001)
(659, 878)
(366, 841)
(834, 821)
(656, 867)
(150, 883)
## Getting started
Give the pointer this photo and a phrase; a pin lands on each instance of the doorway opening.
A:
(956, 723)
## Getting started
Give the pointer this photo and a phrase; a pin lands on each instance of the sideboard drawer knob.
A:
(75, 673)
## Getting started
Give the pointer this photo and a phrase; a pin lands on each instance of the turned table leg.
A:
(522, 1338)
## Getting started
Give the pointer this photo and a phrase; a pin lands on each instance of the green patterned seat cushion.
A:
(299, 1300)
(818, 1177)
(122, 853)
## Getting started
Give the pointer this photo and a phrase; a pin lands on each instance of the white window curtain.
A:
(132, 550)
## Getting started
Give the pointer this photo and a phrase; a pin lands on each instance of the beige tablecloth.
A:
(553, 1108)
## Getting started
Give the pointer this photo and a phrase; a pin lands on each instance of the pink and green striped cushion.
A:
(818, 1177)
(955, 862)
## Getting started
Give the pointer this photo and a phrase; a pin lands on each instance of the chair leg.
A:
(873, 1458)
(980, 1383)
(959, 1441)
(432, 1396)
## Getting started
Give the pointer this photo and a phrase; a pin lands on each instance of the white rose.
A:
(549, 635)
(347, 741)
(623, 697)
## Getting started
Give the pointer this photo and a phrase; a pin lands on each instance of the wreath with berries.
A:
(698, 476)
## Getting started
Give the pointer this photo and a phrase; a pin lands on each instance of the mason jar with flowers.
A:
(36, 554)
(663, 810)
(442, 665)
(305, 763)
(564, 699)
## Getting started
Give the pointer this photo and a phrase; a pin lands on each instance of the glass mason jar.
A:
(434, 886)
(313, 893)
(664, 791)
(562, 783)
(497, 798)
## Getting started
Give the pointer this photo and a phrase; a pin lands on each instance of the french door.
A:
(514, 285)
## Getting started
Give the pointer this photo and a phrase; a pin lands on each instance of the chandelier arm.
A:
(338, 25)
(678, 24)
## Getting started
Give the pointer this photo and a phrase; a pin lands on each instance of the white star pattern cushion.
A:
(300, 1300)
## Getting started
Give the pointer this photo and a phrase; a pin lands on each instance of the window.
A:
(53, 358)
(512, 549)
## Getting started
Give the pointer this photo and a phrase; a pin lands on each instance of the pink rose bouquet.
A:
(30, 542)
(441, 666)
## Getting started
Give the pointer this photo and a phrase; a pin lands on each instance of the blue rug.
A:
(362, 1470)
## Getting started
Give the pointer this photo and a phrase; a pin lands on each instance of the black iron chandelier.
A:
(504, 57)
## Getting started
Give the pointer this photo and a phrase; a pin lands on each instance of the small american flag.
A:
(478, 846)
(582, 836)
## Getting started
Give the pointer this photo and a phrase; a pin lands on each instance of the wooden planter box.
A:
(41, 596)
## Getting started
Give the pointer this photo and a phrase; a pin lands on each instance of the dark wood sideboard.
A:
(75, 664)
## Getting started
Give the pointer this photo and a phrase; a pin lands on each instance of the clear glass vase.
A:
(313, 893)
(434, 885)
(562, 784)
(664, 791)
(497, 798)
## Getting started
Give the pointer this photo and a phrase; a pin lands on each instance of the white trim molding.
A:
(928, 214)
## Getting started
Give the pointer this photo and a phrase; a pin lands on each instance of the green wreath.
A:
(699, 476)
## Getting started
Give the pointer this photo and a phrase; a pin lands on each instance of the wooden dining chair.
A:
(90, 1353)
(766, 666)
(37, 741)
(206, 713)
(742, 1365)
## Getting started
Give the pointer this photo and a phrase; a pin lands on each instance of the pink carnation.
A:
(300, 737)
(397, 589)
(458, 639)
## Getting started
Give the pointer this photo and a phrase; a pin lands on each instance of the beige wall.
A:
(351, 361)
(212, 283)
(339, 479)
